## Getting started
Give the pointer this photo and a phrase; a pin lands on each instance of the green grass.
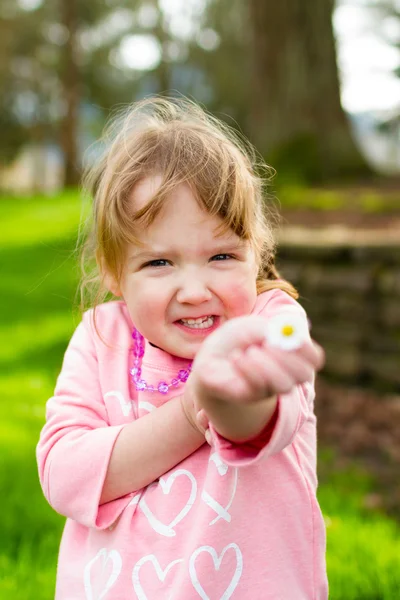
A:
(37, 290)
(363, 545)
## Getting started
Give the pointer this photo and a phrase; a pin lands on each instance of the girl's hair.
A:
(179, 141)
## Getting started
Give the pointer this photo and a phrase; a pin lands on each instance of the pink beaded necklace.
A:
(140, 384)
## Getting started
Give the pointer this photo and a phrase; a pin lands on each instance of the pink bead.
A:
(183, 374)
(163, 387)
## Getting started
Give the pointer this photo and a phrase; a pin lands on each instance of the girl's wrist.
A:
(240, 422)
(188, 408)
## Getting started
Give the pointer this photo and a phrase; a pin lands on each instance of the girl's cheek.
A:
(240, 296)
(153, 301)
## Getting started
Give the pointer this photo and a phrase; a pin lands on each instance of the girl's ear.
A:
(110, 281)
(112, 285)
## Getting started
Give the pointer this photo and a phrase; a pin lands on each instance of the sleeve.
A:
(76, 442)
(292, 411)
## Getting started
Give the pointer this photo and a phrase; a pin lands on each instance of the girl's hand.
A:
(237, 364)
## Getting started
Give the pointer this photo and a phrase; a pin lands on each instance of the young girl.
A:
(181, 442)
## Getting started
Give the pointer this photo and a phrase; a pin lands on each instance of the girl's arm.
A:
(88, 467)
(149, 447)
(238, 422)
(245, 386)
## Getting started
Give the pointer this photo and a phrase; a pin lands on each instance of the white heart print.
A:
(222, 511)
(217, 566)
(104, 560)
(126, 406)
(147, 406)
(137, 585)
(222, 467)
(167, 529)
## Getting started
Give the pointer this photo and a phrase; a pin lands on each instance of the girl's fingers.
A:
(309, 352)
(264, 375)
(300, 369)
(313, 353)
(277, 371)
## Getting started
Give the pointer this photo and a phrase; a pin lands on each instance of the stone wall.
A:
(350, 288)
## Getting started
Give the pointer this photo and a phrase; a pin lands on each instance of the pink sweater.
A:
(236, 521)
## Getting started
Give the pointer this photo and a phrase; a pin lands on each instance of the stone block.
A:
(338, 279)
(376, 253)
(383, 367)
(385, 342)
(291, 271)
(389, 311)
(388, 281)
(339, 333)
(342, 361)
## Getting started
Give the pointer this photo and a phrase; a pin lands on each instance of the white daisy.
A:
(287, 331)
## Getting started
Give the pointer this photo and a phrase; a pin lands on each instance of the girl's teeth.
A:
(204, 323)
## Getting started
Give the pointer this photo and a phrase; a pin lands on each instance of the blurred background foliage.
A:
(269, 68)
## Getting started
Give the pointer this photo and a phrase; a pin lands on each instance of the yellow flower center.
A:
(287, 330)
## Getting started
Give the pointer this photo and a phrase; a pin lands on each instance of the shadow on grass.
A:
(50, 355)
(30, 530)
(26, 516)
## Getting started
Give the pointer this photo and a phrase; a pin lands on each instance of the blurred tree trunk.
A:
(70, 83)
(297, 121)
(163, 37)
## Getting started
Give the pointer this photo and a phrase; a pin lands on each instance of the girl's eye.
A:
(159, 262)
(222, 257)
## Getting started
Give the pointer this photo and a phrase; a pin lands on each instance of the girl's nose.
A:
(193, 291)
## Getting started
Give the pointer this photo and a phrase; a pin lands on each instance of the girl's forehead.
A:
(144, 190)
(181, 218)
(181, 204)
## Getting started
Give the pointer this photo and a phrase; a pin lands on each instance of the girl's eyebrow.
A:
(143, 252)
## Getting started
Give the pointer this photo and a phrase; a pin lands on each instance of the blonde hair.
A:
(178, 140)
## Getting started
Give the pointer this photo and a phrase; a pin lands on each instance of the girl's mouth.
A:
(201, 326)
(201, 323)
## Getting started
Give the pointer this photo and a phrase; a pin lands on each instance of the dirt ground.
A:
(361, 427)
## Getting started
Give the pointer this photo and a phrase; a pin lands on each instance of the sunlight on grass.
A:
(363, 555)
(27, 221)
(363, 558)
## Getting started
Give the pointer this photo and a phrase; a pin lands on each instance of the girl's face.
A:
(186, 281)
